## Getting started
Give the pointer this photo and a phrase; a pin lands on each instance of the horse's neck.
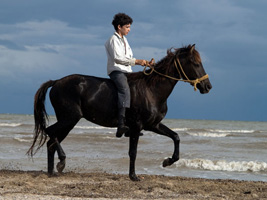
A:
(163, 89)
(167, 84)
(159, 85)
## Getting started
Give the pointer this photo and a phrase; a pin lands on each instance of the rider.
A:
(120, 59)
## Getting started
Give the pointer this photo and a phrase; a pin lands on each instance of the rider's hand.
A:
(140, 62)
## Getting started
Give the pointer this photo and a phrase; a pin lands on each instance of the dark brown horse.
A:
(95, 99)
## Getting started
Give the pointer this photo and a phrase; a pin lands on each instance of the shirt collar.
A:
(117, 34)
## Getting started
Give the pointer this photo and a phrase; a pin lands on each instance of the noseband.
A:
(192, 82)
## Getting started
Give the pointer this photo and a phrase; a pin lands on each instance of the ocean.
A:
(208, 149)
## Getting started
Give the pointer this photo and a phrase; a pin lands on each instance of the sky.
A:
(47, 40)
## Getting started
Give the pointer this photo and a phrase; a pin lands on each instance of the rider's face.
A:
(124, 30)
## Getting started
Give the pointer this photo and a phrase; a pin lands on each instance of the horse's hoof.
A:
(134, 178)
(121, 130)
(52, 174)
(167, 162)
(61, 166)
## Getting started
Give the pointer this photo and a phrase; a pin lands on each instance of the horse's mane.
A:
(165, 65)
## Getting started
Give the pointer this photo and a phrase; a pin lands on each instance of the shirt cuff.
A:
(132, 62)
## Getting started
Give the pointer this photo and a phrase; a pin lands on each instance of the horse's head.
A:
(190, 68)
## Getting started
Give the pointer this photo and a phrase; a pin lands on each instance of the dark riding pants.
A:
(124, 95)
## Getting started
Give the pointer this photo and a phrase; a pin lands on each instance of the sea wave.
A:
(92, 127)
(19, 139)
(10, 124)
(180, 129)
(230, 131)
(222, 165)
(212, 132)
(207, 134)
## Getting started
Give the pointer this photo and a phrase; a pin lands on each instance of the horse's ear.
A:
(170, 51)
(192, 48)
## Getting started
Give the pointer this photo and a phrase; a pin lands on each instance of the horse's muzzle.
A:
(204, 87)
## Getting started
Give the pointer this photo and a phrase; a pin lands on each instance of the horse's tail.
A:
(40, 117)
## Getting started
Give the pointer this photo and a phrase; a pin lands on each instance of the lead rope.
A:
(192, 82)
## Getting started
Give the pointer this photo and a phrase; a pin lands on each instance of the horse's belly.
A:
(101, 113)
(102, 120)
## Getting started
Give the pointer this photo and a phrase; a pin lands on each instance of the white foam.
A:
(21, 139)
(180, 129)
(212, 132)
(92, 127)
(207, 134)
(222, 165)
(10, 124)
(230, 131)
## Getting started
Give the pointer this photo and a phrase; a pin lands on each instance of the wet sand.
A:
(37, 185)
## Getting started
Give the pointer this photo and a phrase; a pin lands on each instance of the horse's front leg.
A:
(132, 154)
(164, 130)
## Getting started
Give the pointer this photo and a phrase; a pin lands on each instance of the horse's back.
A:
(91, 97)
(74, 85)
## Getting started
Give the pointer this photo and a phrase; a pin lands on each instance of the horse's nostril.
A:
(208, 86)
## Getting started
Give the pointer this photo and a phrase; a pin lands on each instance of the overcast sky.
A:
(49, 39)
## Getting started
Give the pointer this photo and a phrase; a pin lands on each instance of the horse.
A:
(94, 98)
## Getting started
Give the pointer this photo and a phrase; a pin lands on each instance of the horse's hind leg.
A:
(61, 156)
(57, 133)
(53, 145)
(51, 149)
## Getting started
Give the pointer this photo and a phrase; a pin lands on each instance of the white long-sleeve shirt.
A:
(119, 53)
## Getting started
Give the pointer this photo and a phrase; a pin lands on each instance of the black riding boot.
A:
(122, 128)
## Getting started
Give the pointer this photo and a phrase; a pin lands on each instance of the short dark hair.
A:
(121, 19)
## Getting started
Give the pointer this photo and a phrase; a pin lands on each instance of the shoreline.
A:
(70, 185)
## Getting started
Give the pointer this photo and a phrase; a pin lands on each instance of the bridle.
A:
(192, 82)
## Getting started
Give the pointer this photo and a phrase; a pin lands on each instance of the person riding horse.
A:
(119, 63)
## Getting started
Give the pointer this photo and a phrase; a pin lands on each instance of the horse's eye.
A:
(196, 64)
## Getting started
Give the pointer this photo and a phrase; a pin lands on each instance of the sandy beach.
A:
(37, 185)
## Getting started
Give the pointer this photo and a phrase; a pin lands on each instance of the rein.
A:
(192, 82)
